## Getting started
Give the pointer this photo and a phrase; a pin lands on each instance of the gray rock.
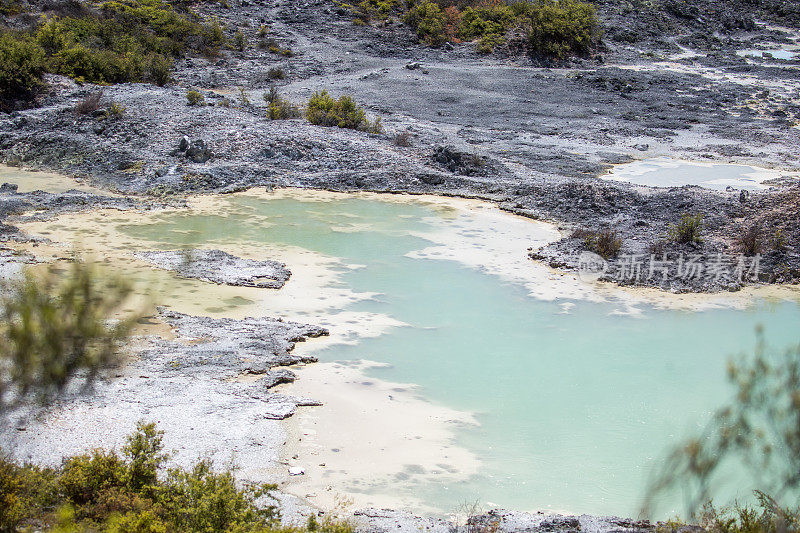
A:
(220, 267)
(197, 152)
(184, 143)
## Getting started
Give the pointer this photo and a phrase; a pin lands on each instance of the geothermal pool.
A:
(665, 172)
(577, 393)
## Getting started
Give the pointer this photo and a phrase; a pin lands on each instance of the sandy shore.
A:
(371, 442)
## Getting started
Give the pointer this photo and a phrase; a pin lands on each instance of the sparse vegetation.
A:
(116, 110)
(750, 239)
(239, 41)
(324, 110)
(402, 139)
(778, 242)
(280, 108)
(687, 230)
(244, 100)
(90, 104)
(276, 73)
(194, 98)
(606, 242)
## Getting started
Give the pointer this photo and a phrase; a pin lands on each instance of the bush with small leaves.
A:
(239, 41)
(144, 452)
(116, 110)
(756, 432)
(280, 108)
(103, 491)
(122, 41)
(22, 64)
(324, 110)
(55, 330)
(26, 492)
(605, 242)
(429, 21)
(402, 139)
(194, 98)
(159, 70)
(750, 239)
(90, 104)
(778, 242)
(687, 230)
(276, 73)
(554, 28)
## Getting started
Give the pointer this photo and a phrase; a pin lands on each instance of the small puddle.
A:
(780, 53)
(29, 181)
(665, 172)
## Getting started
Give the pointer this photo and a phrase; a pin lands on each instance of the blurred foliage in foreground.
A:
(759, 434)
(57, 328)
(133, 493)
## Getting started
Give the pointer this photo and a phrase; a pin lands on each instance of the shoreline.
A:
(340, 386)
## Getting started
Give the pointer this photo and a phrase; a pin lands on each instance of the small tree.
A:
(143, 450)
(760, 429)
(57, 326)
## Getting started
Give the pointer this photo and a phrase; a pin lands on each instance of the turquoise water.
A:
(575, 408)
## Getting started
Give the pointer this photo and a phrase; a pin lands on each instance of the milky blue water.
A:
(575, 408)
(665, 172)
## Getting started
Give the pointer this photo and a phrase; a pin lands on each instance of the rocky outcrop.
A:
(220, 267)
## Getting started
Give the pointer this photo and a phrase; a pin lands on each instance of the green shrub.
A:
(86, 477)
(367, 11)
(687, 230)
(126, 40)
(55, 326)
(324, 110)
(280, 108)
(239, 41)
(102, 491)
(116, 110)
(562, 28)
(605, 242)
(429, 21)
(159, 69)
(10, 7)
(25, 492)
(203, 500)
(22, 64)
(146, 521)
(143, 450)
(194, 98)
(554, 28)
